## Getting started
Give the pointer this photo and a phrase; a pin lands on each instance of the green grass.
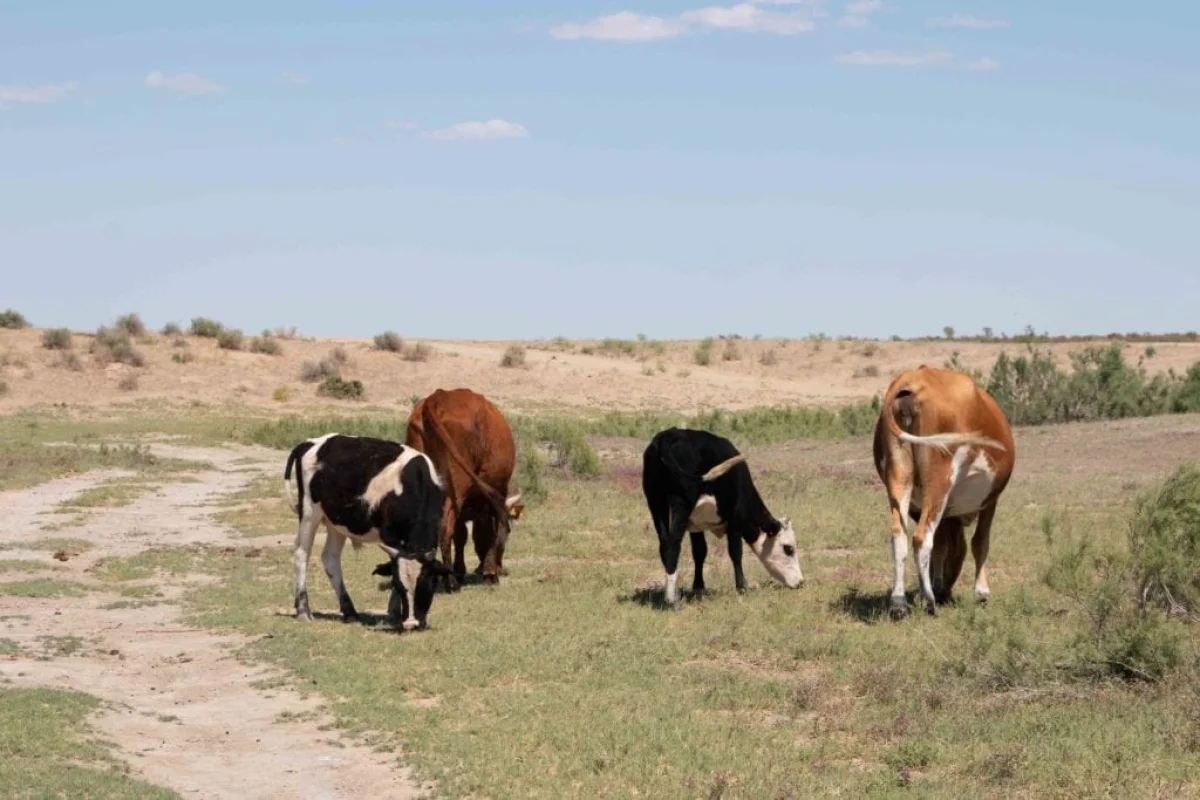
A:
(570, 680)
(22, 565)
(118, 492)
(51, 544)
(42, 587)
(48, 751)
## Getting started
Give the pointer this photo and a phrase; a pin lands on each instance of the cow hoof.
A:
(350, 618)
(304, 617)
(982, 597)
(491, 580)
(942, 597)
(899, 609)
(700, 593)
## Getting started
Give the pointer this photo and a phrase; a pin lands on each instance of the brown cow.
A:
(944, 451)
(472, 446)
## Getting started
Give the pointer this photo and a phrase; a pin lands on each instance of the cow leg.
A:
(668, 550)
(301, 551)
(949, 550)
(937, 495)
(487, 541)
(899, 525)
(699, 552)
(733, 542)
(446, 540)
(980, 543)
(331, 559)
(461, 534)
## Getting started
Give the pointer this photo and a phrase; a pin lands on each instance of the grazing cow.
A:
(471, 444)
(944, 451)
(696, 481)
(367, 490)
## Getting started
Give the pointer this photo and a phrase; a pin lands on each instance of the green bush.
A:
(208, 328)
(230, 339)
(703, 353)
(13, 319)
(266, 345)
(131, 324)
(113, 344)
(341, 389)
(1164, 542)
(57, 339)
(389, 341)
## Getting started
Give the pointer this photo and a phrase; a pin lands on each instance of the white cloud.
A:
(982, 64)
(624, 26)
(962, 21)
(858, 13)
(893, 58)
(491, 130)
(46, 93)
(295, 78)
(750, 18)
(184, 83)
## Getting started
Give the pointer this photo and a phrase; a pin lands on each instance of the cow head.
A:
(413, 583)
(777, 552)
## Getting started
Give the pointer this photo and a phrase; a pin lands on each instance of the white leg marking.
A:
(899, 554)
(305, 534)
(410, 570)
(923, 557)
(671, 593)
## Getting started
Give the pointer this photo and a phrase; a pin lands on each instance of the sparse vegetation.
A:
(230, 339)
(171, 329)
(341, 389)
(13, 320)
(266, 345)
(131, 324)
(514, 356)
(703, 353)
(57, 339)
(113, 345)
(731, 352)
(769, 359)
(389, 342)
(328, 367)
(183, 357)
(418, 352)
(68, 359)
(206, 328)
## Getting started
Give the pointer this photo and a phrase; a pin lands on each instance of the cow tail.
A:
(494, 497)
(942, 441)
(295, 499)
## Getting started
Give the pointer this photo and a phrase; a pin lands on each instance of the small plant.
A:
(57, 339)
(208, 328)
(769, 358)
(281, 395)
(266, 345)
(341, 389)
(514, 356)
(132, 324)
(230, 339)
(703, 354)
(171, 329)
(13, 320)
(128, 383)
(113, 344)
(389, 342)
(418, 352)
(183, 357)
(328, 367)
(69, 360)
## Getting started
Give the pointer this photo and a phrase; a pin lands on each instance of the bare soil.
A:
(181, 707)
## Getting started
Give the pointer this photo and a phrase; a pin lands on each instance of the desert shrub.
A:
(128, 383)
(266, 345)
(514, 356)
(617, 347)
(230, 339)
(13, 320)
(703, 353)
(171, 329)
(389, 341)
(869, 350)
(113, 344)
(869, 371)
(183, 357)
(1187, 395)
(208, 328)
(281, 395)
(70, 360)
(341, 389)
(769, 358)
(418, 352)
(328, 367)
(57, 339)
(285, 333)
(731, 352)
(132, 324)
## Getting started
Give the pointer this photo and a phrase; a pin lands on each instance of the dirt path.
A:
(182, 709)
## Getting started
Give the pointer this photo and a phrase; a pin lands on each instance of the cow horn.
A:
(723, 467)
(512, 501)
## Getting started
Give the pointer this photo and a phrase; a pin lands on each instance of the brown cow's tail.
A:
(494, 497)
(942, 441)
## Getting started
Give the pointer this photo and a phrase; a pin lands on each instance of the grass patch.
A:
(183, 356)
(24, 461)
(116, 493)
(48, 749)
(172, 561)
(42, 587)
(22, 565)
(52, 544)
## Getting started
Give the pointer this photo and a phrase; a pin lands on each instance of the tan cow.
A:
(945, 452)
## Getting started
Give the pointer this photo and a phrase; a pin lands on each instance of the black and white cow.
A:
(696, 481)
(368, 491)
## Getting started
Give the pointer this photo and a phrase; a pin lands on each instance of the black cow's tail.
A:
(294, 495)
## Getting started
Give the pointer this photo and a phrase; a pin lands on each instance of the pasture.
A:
(145, 610)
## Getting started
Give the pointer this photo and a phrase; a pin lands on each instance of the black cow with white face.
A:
(368, 491)
(696, 481)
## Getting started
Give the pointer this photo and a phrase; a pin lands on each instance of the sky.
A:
(498, 169)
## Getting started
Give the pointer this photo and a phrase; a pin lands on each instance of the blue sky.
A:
(514, 169)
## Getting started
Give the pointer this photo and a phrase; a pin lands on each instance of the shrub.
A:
(731, 352)
(328, 367)
(340, 389)
(57, 339)
(514, 356)
(208, 328)
(1187, 395)
(266, 345)
(869, 371)
(183, 357)
(132, 324)
(418, 352)
(870, 349)
(703, 354)
(69, 360)
(1164, 541)
(529, 474)
(617, 347)
(769, 358)
(230, 339)
(128, 383)
(171, 329)
(112, 344)
(13, 319)
(389, 341)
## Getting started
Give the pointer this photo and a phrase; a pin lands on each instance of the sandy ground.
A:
(566, 374)
(181, 709)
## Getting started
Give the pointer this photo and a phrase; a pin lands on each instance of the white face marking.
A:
(704, 516)
(778, 554)
(409, 570)
(671, 594)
